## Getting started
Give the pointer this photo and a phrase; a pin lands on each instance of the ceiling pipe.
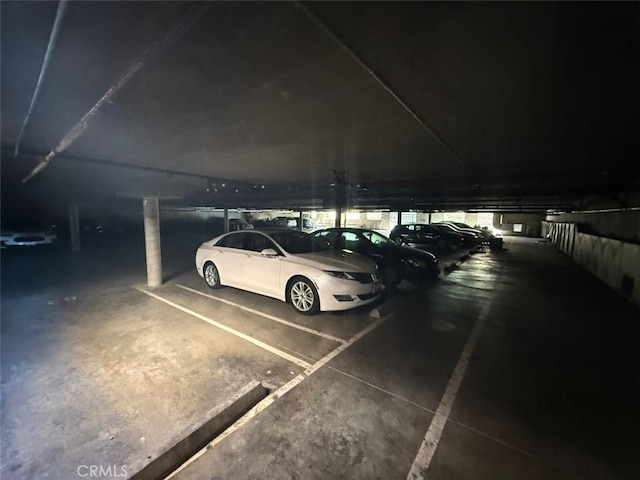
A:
(62, 6)
(150, 54)
(385, 84)
(142, 168)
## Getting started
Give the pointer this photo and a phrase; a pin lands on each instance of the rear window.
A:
(233, 240)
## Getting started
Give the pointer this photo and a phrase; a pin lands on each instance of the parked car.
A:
(25, 235)
(423, 234)
(239, 224)
(470, 238)
(487, 237)
(395, 261)
(291, 266)
(464, 227)
(288, 222)
(308, 225)
(215, 225)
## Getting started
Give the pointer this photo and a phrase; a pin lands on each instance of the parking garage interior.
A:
(136, 131)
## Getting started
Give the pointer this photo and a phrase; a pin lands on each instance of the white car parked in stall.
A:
(27, 236)
(291, 266)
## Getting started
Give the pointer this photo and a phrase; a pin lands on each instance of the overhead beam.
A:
(150, 54)
(385, 85)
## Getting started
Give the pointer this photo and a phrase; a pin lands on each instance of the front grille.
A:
(362, 277)
(29, 239)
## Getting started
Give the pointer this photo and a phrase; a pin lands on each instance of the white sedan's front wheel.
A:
(303, 296)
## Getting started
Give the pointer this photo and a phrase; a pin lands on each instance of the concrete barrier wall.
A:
(630, 267)
(622, 224)
(614, 262)
(562, 235)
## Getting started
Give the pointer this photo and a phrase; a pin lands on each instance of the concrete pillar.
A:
(74, 227)
(152, 241)
(226, 220)
(301, 222)
(338, 217)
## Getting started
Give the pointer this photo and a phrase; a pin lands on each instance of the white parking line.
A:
(230, 330)
(381, 390)
(432, 438)
(266, 315)
(266, 402)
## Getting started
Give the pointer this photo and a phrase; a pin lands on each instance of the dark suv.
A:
(423, 234)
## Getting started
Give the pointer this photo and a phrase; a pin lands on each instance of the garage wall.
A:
(615, 262)
(562, 235)
(623, 224)
(523, 224)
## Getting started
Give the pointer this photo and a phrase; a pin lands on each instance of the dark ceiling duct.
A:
(149, 55)
(43, 70)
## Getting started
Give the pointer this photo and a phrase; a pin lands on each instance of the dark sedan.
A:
(423, 234)
(463, 227)
(470, 237)
(395, 261)
(486, 236)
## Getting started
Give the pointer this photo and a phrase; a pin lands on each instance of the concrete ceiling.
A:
(533, 105)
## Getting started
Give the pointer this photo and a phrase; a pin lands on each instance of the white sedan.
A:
(291, 266)
(27, 237)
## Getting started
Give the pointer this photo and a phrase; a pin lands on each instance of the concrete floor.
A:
(96, 372)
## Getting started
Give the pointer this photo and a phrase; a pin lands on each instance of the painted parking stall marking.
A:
(270, 399)
(265, 315)
(432, 438)
(258, 343)
(310, 369)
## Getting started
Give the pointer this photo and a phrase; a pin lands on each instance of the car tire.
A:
(398, 241)
(303, 296)
(391, 278)
(211, 275)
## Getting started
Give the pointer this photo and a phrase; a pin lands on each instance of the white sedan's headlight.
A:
(337, 274)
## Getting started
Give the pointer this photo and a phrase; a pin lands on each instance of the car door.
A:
(329, 236)
(409, 234)
(229, 257)
(353, 241)
(261, 274)
(424, 236)
(373, 244)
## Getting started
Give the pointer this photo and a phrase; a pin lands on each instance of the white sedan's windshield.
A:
(299, 242)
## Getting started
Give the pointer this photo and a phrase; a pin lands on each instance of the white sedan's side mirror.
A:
(269, 252)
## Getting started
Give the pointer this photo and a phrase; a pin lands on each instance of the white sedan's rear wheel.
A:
(303, 296)
(211, 275)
